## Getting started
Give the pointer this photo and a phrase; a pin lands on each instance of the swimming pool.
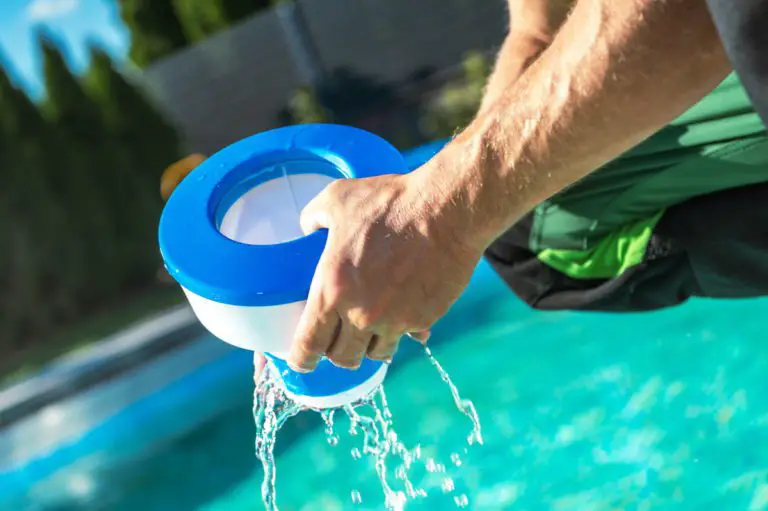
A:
(582, 412)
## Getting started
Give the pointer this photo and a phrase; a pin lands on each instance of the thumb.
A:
(315, 214)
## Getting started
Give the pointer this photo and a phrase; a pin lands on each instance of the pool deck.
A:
(114, 355)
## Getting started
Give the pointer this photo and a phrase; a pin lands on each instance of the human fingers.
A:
(350, 346)
(383, 347)
(317, 329)
(315, 215)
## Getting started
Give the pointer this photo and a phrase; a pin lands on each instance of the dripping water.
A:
(372, 418)
(465, 406)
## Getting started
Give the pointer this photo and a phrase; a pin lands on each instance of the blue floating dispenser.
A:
(230, 236)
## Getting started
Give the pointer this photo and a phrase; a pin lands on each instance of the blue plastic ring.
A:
(209, 264)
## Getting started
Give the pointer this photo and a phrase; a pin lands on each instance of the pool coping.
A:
(106, 359)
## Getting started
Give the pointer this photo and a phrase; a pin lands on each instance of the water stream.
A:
(380, 441)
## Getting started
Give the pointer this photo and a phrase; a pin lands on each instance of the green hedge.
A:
(80, 201)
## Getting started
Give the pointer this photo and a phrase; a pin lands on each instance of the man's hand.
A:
(399, 254)
(394, 263)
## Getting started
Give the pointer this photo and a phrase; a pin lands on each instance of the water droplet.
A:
(465, 406)
(271, 408)
(433, 466)
(372, 418)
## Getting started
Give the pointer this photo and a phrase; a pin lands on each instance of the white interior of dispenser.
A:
(265, 214)
(269, 213)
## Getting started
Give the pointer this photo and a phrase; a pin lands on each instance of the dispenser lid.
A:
(206, 262)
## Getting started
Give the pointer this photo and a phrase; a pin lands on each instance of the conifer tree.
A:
(83, 175)
(155, 30)
(199, 20)
(237, 10)
(143, 144)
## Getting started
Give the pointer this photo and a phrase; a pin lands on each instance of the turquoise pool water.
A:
(580, 412)
(583, 412)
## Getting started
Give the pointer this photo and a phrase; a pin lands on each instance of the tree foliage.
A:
(237, 10)
(79, 203)
(198, 19)
(161, 27)
(457, 102)
(155, 30)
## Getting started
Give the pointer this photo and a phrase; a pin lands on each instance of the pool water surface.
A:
(580, 411)
(663, 410)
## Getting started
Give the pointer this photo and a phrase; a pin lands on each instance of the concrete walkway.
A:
(112, 356)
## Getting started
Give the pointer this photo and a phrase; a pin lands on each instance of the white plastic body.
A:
(269, 213)
(262, 329)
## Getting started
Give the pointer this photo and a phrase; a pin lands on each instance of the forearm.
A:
(533, 25)
(616, 72)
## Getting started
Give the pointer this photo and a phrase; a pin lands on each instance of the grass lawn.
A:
(87, 331)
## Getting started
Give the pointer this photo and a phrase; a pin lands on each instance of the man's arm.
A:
(615, 73)
(401, 249)
(533, 25)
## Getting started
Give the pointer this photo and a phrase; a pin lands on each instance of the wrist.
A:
(463, 186)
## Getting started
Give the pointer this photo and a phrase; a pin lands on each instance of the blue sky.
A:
(72, 22)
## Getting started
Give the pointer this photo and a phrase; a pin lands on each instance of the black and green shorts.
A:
(683, 214)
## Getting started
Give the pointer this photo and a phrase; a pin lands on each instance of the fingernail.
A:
(300, 369)
(351, 367)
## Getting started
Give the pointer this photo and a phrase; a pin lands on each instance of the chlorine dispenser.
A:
(230, 236)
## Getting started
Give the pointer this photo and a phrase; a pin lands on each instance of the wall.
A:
(237, 83)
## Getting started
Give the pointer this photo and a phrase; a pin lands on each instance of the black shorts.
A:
(715, 245)
(683, 214)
